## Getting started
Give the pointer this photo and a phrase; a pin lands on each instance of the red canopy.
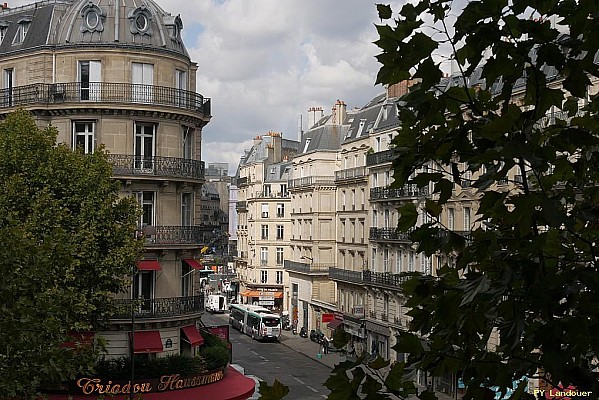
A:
(192, 334)
(334, 323)
(193, 263)
(148, 265)
(147, 342)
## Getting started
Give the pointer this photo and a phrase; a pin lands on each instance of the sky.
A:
(264, 63)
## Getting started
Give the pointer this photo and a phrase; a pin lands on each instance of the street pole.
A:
(132, 349)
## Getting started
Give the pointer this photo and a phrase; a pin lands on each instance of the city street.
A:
(303, 375)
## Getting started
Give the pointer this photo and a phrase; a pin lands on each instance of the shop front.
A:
(271, 298)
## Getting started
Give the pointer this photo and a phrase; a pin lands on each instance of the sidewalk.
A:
(310, 349)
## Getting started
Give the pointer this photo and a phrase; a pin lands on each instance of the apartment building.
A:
(313, 220)
(264, 222)
(117, 74)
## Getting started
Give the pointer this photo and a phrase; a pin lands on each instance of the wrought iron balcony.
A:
(159, 308)
(103, 92)
(311, 181)
(307, 268)
(381, 157)
(351, 174)
(175, 235)
(406, 192)
(389, 234)
(164, 167)
(338, 274)
(241, 206)
(385, 279)
(242, 181)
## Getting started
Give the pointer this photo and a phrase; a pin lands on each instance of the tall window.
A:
(267, 191)
(142, 78)
(187, 142)
(411, 261)
(263, 256)
(8, 78)
(145, 137)
(264, 210)
(3, 30)
(146, 200)
(90, 76)
(83, 136)
(279, 252)
(280, 232)
(280, 210)
(386, 218)
(279, 278)
(143, 288)
(374, 218)
(386, 260)
(374, 263)
(263, 276)
(186, 208)
(450, 219)
(181, 86)
(467, 219)
(264, 232)
(185, 279)
(399, 262)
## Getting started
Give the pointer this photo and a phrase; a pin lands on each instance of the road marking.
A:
(254, 353)
(324, 396)
(312, 389)
(299, 380)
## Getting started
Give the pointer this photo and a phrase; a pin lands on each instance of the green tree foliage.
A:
(528, 272)
(67, 247)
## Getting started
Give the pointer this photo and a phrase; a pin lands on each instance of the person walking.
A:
(325, 344)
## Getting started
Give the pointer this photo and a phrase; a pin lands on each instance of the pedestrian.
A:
(325, 344)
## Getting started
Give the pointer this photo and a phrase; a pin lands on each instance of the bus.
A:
(255, 321)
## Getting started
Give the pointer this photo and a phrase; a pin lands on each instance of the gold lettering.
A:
(87, 385)
(146, 387)
(116, 389)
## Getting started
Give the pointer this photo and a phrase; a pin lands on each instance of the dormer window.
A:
(3, 30)
(140, 19)
(24, 24)
(93, 18)
(174, 26)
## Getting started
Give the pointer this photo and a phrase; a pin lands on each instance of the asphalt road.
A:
(269, 361)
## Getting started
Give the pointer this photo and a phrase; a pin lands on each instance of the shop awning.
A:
(192, 334)
(78, 339)
(148, 265)
(147, 342)
(334, 323)
(256, 293)
(193, 263)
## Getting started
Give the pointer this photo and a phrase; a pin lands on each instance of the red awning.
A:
(147, 342)
(79, 339)
(334, 323)
(193, 263)
(148, 265)
(192, 334)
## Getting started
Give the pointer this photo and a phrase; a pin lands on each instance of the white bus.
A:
(216, 303)
(255, 321)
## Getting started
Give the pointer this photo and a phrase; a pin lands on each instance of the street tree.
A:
(68, 247)
(519, 126)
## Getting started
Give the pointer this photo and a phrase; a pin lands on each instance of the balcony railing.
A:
(103, 92)
(174, 235)
(241, 206)
(381, 157)
(242, 181)
(168, 167)
(307, 267)
(391, 234)
(311, 181)
(339, 274)
(408, 191)
(351, 173)
(159, 308)
(383, 279)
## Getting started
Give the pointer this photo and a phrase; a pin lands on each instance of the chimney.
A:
(257, 140)
(338, 113)
(5, 6)
(314, 114)
(399, 89)
(275, 146)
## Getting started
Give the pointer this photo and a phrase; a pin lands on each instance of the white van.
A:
(216, 303)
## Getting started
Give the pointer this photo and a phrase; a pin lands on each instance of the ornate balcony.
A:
(406, 192)
(241, 206)
(128, 165)
(351, 174)
(103, 92)
(389, 235)
(307, 268)
(338, 274)
(383, 279)
(175, 235)
(381, 157)
(160, 308)
(310, 181)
